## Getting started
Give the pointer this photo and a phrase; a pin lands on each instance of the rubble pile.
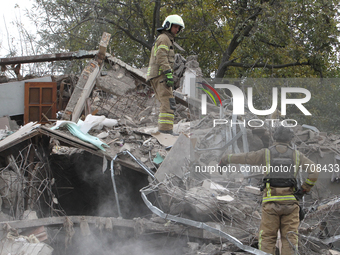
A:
(111, 177)
(208, 201)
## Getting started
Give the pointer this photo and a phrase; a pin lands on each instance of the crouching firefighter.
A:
(160, 71)
(280, 206)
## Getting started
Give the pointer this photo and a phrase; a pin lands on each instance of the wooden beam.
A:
(48, 57)
(104, 42)
(82, 91)
(86, 83)
(139, 225)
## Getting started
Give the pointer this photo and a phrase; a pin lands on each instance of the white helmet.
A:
(172, 20)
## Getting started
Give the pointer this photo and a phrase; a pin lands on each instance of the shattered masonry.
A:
(112, 183)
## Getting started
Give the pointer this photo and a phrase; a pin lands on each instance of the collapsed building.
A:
(100, 179)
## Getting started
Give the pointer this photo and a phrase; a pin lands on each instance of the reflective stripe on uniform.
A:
(269, 191)
(154, 50)
(260, 240)
(163, 47)
(278, 198)
(229, 158)
(269, 197)
(309, 182)
(166, 115)
(160, 47)
(267, 157)
(166, 122)
(166, 118)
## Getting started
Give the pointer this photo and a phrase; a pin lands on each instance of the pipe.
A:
(145, 168)
(114, 186)
(145, 191)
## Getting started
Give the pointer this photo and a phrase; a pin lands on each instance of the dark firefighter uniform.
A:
(280, 208)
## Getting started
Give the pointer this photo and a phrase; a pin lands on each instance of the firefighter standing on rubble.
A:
(160, 71)
(280, 205)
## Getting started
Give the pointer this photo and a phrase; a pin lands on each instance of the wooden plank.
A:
(26, 132)
(85, 84)
(87, 77)
(104, 42)
(48, 57)
(70, 139)
(90, 81)
(60, 220)
(139, 225)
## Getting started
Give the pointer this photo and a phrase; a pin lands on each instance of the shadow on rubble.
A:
(83, 189)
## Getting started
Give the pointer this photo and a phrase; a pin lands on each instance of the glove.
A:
(169, 78)
(300, 193)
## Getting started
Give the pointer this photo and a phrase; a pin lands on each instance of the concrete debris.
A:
(4, 133)
(214, 186)
(117, 81)
(21, 246)
(55, 187)
(254, 190)
(225, 198)
(176, 158)
(7, 124)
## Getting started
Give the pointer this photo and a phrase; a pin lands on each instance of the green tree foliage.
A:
(69, 25)
(251, 38)
(281, 34)
(232, 38)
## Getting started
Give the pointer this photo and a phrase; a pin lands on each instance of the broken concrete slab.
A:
(252, 189)
(208, 184)
(225, 198)
(165, 139)
(116, 82)
(178, 157)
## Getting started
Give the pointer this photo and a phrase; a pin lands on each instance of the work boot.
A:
(170, 132)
